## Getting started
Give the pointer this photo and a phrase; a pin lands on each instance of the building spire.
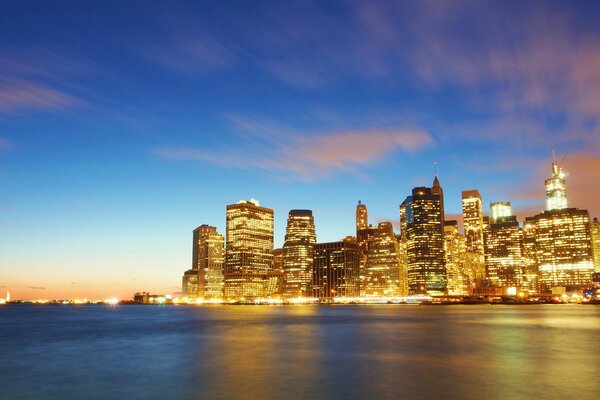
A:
(435, 169)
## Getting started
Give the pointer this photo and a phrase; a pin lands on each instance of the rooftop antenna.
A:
(435, 169)
(553, 156)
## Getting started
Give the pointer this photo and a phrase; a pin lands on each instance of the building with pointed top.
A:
(362, 217)
(563, 241)
(437, 190)
(422, 228)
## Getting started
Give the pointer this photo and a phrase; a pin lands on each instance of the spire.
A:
(435, 169)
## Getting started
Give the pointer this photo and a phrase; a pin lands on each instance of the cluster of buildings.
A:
(555, 251)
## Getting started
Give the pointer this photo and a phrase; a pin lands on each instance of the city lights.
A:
(431, 261)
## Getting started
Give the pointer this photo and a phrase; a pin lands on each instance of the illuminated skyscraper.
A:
(473, 221)
(362, 218)
(298, 254)
(336, 270)
(189, 284)
(564, 248)
(530, 269)
(454, 248)
(503, 250)
(384, 275)
(562, 239)
(249, 252)
(437, 189)
(595, 232)
(423, 232)
(556, 191)
(207, 265)
(500, 209)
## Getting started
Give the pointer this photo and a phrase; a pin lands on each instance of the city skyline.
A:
(124, 128)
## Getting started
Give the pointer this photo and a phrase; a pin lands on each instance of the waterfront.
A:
(299, 352)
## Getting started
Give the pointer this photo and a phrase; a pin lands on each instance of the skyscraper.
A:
(556, 191)
(362, 217)
(503, 248)
(499, 210)
(249, 252)
(298, 252)
(530, 282)
(595, 232)
(336, 270)
(437, 189)
(454, 248)
(473, 221)
(423, 232)
(563, 242)
(564, 248)
(205, 278)
(383, 274)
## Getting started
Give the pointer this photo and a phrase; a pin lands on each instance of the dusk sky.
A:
(126, 124)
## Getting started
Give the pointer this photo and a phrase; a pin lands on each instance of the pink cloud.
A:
(18, 95)
(310, 157)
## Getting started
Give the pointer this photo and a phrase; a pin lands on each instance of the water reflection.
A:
(299, 352)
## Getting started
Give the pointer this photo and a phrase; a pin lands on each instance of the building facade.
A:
(383, 274)
(205, 278)
(503, 253)
(563, 249)
(423, 233)
(454, 249)
(336, 270)
(595, 232)
(298, 253)
(249, 252)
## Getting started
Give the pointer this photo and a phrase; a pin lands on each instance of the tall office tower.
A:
(362, 217)
(336, 270)
(563, 239)
(454, 248)
(564, 248)
(249, 252)
(207, 265)
(213, 260)
(383, 274)
(423, 231)
(500, 209)
(437, 189)
(473, 221)
(595, 232)
(530, 282)
(503, 252)
(556, 191)
(298, 252)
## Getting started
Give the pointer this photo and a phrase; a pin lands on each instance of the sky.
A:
(125, 125)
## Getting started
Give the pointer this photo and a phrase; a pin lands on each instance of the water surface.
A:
(300, 352)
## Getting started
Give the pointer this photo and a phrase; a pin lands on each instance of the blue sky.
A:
(124, 125)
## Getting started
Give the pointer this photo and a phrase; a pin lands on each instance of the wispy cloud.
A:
(310, 156)
(20, 95)
(36, 287)
(42, 80)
